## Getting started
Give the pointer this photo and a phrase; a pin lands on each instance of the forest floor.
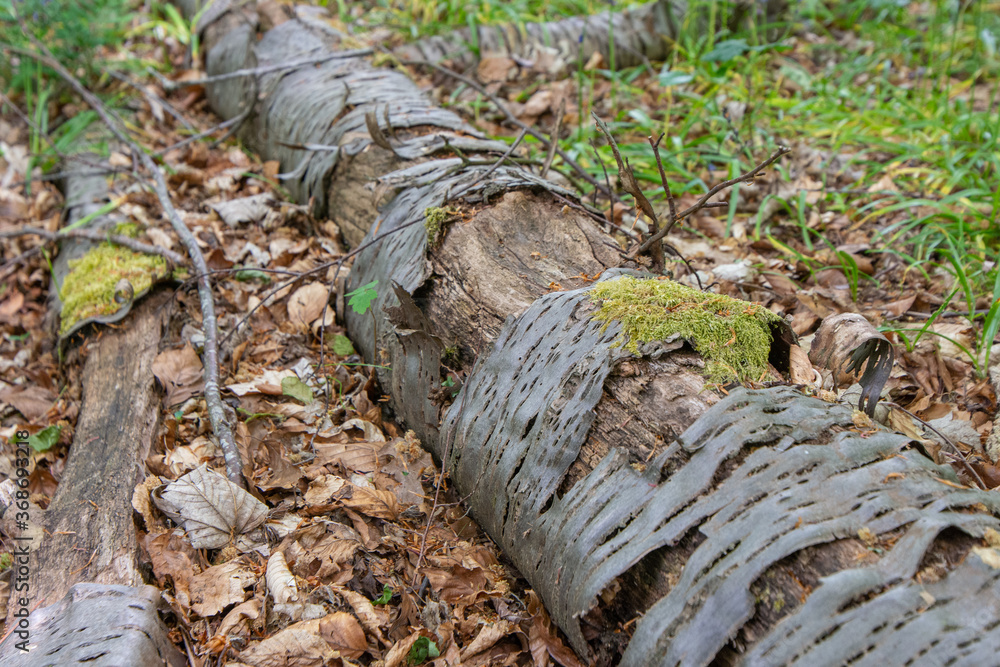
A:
(887, 206)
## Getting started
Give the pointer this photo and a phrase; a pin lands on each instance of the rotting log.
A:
(660, 524)
(87, 533)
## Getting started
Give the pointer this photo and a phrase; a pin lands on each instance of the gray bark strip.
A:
(97, 624)
(759, 530)
(640, 34)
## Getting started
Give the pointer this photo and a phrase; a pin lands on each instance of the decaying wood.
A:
(87, 534)
(96, 624)
(659, 523)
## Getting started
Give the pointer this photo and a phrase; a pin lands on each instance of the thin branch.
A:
(961, 457)
(151, 98)
(554, 140)
(171, 86)
(213, 397)
(507, 113)
(138, 246)
(488, 172)
(701, 203)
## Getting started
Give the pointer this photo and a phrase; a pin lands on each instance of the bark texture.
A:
(86, 534)
(661, 524)
(96, 624)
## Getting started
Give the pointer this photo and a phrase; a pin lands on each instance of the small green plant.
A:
(422, 650)
(386, 596)
(360, 299)
(45, 439)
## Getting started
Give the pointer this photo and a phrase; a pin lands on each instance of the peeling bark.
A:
(660, 524)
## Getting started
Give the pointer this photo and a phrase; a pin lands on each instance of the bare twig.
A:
(584, 174)
(213, 398)
(493, 167)
(235, 120)
(554, 141)
(170, 86)
(631, 185)
(954, 447)
(701, 203)
(174, 258)
(151, 98)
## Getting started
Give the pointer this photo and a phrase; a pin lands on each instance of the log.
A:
(87, 534)
(661, 523)
(96, 624)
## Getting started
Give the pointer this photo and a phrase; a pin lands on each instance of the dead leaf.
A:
(375, 503)
(538, 103)
(298, 645)
(495, 69)
(212, 510)
(220, 586)
(280, 581)
(32, 402)
(343, 632)
(800, 370)
(489, 635)
(180, 373)
(844, 344)
(306, 304)
(543, 640)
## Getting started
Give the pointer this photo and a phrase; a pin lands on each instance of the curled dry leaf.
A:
(307, 303)
(343, 633)
(219, 587)
(298, 645)
(280, 581)
(180, 373)
(489, 635)
(848, 342)
(212, 510)
(371, 618)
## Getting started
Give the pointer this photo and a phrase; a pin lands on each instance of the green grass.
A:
(902, 95)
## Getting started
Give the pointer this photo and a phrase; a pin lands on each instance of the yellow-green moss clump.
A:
(89, 289)
(733, 336)
(434, 219)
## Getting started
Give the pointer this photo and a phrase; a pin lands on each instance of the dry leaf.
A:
(306, 304)
(32, 402)
(800, 369)
(180, 373)
(220, 586)
(298, 645)
(844, 344)
(494, 69)
(375, 503)
(489, 635)
(343, 632)
(212, 510)
(280, 581)
(543, 640)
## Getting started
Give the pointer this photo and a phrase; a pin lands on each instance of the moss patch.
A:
(89, 288)
(434, 220)
(733, 336)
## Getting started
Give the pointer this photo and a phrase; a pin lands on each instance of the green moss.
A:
(129, 229)
(434, 219)
(733, 336)
(89, 289)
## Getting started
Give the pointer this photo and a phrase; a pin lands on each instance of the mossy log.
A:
(87, 533)
(661, 523)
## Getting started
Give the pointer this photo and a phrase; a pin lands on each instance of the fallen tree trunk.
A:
(660, 524)
(87, 533)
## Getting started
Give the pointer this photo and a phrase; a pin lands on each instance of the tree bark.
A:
(660, 522)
